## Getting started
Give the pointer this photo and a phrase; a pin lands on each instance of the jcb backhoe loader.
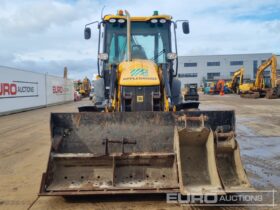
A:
(139, 137)
(258, 88)
(85, 87)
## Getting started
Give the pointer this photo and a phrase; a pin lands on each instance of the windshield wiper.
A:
(157, 55)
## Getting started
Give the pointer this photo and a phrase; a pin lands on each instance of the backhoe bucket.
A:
(233, 175)
(141, 152)
(198, 172)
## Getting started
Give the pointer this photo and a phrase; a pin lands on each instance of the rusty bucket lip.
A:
(111, 191)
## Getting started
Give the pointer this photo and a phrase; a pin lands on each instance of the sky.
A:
(46, 35)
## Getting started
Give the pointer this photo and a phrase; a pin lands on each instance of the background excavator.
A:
(258, 88)
(274, 90)
(236, 80)
(238, 84)
(220, 87)
(139, 137)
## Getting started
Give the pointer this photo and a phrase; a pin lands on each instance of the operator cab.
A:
(146, 81)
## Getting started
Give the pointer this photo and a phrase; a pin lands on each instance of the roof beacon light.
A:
(155, 13)
(120, 12)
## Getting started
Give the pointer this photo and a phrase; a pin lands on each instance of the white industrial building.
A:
(196, 69)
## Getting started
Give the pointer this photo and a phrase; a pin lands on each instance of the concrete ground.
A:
(25, 144)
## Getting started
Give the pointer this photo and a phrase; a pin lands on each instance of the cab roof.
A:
(137, 18)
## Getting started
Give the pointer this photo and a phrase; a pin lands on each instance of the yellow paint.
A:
(245, 87)
(113, 104)
(136, 18)
(140, 99)
(138, 73)
(229, 84)
(166, 103)
(118, 108)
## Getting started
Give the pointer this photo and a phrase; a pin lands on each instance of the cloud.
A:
(47, 35)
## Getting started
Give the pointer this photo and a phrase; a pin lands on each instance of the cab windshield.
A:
(148, 41)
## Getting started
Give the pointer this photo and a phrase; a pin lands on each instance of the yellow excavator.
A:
(236, 80)
(258, 89)
(139, 136)
(238, 84)
(274, 90)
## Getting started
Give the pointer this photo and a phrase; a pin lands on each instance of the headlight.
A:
(171, 56)
(112, 20)
(162, 21)
(154, 20)
(121, 20)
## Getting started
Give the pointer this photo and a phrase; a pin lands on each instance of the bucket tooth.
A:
(230, 167)
(197, 168)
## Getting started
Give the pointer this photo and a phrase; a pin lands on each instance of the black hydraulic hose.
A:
(166, 80)
(175, 37)
(98, 49)
(113, 81)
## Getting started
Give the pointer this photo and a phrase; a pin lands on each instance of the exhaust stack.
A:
(128, 35)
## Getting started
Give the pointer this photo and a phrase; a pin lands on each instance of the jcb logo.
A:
(139, 72)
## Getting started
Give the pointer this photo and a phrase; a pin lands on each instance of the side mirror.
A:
(87, 33)
(186, 28)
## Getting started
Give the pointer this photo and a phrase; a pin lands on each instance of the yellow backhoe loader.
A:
(258, 89)
(85, 87)
(139, 136)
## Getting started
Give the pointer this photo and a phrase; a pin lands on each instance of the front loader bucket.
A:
(101, 153)
(139, 152)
